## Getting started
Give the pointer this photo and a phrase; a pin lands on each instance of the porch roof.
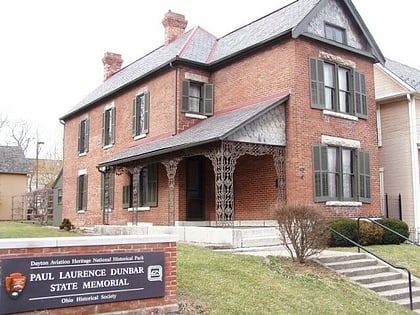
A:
(216, 128)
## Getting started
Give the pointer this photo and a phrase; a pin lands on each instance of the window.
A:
(59, 197)
(141, 114)
(147, 188)
(81, 192)
(338, 176)
(108, 126)
(107, 191)
(335, 33)
(197, 98)
(337, 88)
(83, 139)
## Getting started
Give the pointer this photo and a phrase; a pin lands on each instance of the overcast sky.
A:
(51, 50)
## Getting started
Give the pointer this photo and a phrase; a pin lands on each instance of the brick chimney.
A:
(174, 24)
(112, 64)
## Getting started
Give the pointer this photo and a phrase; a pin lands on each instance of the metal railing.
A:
(410, 287)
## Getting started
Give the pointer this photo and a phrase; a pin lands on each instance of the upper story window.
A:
(335, 33)
(108, 126)
(337, 88)
(83, 137)
(341, 174)
(141, 114)
(197, 98)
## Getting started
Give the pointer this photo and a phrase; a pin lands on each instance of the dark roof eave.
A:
(155, 153)
(342, 46)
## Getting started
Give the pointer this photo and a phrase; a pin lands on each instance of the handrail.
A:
(410, 287)
(384, 227)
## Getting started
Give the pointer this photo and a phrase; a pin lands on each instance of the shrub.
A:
(370, 233)
(345, 226)
(66, 225)
(303, 230)
(398, 226)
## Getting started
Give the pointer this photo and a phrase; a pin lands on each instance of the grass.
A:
(17, 229)
(214, 283)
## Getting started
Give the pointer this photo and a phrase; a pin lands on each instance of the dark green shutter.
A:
(185, 104)
(113, 110)
(102, 191)
(360, 97)
(320, 171)
(78, 203)
(316, 69)
(85, 192)
(146, 112)
(364, 176)
(79, 138)
(103, 128)
(87, 136)
(208, 99)
(134, 124)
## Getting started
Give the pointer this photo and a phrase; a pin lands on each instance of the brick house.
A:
(213, 131)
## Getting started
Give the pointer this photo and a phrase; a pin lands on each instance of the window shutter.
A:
(146, 112)
(113, 125)
(103, 128)
(78, 203)
(320, 170)
(85, 191)
(364, 176)
(111, 190)
(208, 99)
(79, 138)
(360, 97)
(87, 136)
(316, 69)
(134, 124)
(185, 96)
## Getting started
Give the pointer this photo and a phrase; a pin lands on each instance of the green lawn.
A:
(214, 283)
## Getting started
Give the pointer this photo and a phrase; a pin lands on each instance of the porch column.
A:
(135, 171)
(224, 161)
(171, 168)
(279, 160)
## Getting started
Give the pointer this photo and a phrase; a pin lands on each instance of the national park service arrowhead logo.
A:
(14, 284)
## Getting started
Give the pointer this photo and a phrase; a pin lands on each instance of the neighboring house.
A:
(48, 170)
(397, 89)
(57, 187)
(214, 131)
(14, 174)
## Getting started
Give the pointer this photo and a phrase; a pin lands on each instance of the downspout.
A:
(414, 158)
(175, 100)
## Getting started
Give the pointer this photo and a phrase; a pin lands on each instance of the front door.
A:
(195, 188)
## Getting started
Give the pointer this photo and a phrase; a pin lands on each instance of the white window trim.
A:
(334, 203)
(141, 136)
(340, 142)
(198, 116)
(83, 154)
(82, 172)
(327, 112)
(139, 209)
(196, 77)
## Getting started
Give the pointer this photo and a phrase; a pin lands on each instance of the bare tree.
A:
(21, 134)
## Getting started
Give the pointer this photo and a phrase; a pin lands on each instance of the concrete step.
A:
(380, 276)
(399, 294)
(406, 303)
(340, 256)
(259, 232)
(369, 270)
(352, 264)
(261, 241)
(382, 286)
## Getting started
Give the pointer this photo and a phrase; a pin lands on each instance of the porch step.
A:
(257, 237)
(375, 275)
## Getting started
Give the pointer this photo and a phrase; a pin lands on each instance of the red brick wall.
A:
(169, 248)
(281, 67)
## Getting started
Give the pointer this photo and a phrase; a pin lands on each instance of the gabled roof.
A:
(215, 128)
(13, 161)
(199, 47)
(407, 74)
